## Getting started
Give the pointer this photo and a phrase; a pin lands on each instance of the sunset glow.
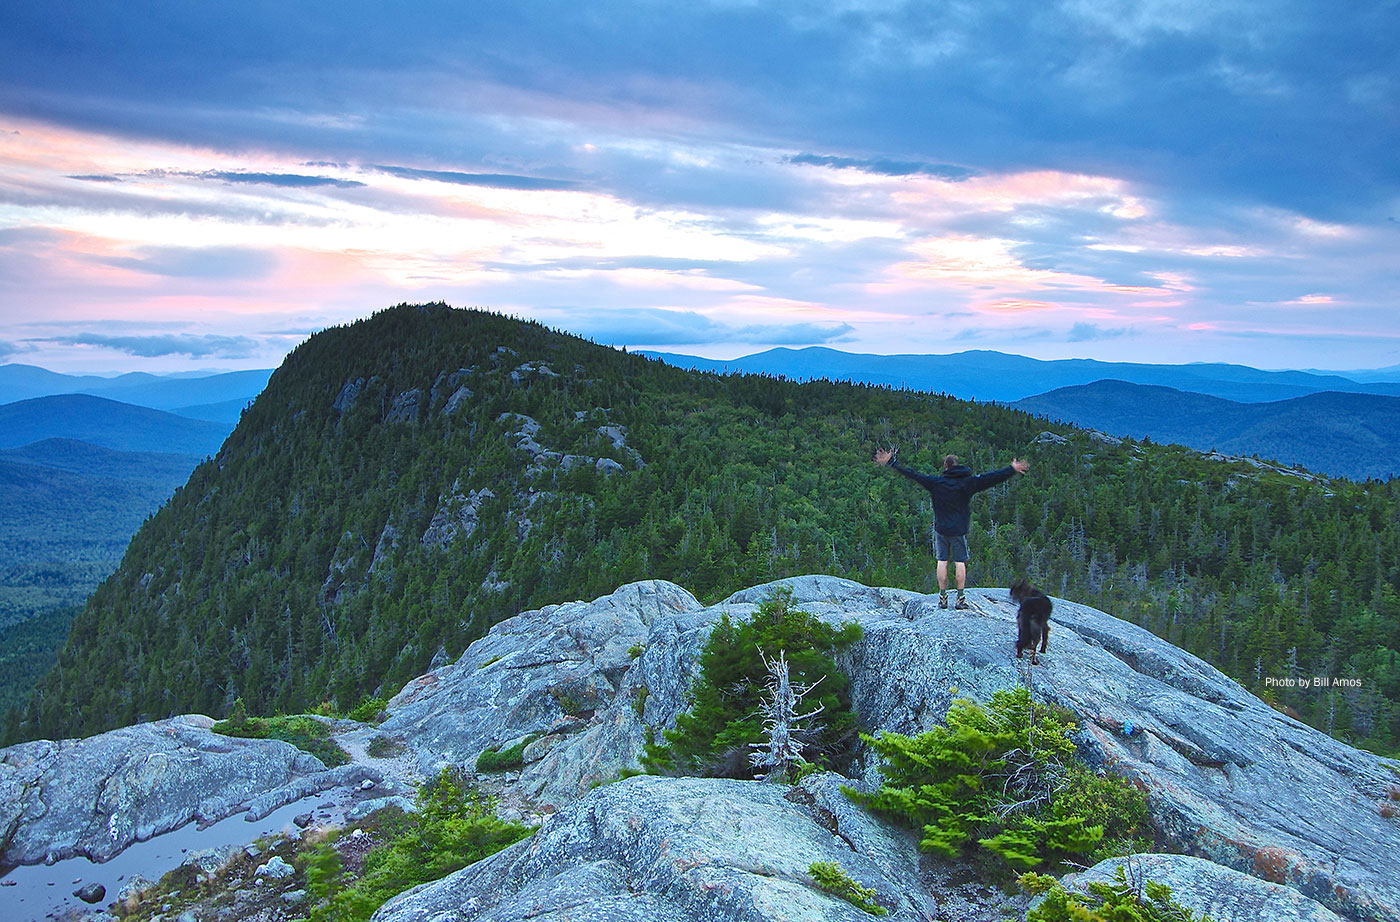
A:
(234, 203)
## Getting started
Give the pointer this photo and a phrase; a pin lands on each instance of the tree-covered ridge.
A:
(384, 497)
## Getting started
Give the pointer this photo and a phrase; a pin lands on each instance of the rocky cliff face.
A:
(1228, 778)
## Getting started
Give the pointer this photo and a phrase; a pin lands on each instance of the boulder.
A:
(525, 676)
(276, 868)
(90, 893)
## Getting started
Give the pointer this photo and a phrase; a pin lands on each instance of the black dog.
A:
(1032, 620)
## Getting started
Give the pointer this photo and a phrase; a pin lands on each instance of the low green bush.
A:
(1120, 901)
(1004, 778)
(504, 760)
(369, 710)
(453, 827)
(302, 731)
(831, 878)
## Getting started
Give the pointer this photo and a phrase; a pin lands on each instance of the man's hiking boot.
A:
(962, 604)
(943, 601)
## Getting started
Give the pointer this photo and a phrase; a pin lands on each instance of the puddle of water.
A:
(42, 892)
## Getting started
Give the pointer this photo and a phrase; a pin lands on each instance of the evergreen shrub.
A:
(1120, 901)
(1004, 778)
(831, 878)
(504, 760)
(370, 710)
(302, 731)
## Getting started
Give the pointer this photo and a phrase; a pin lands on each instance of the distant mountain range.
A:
(84, 460)
(409, 480)
(64, 502)
(1348, 435)
(983, 375)
(160, 392)
(1325, 421)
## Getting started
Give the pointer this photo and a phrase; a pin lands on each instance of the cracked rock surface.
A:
(694, 849)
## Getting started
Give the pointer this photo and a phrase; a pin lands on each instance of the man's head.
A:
(950, 462)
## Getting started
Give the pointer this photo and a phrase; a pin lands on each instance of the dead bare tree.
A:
(783, 725)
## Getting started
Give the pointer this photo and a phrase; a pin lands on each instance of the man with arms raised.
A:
(952, 493)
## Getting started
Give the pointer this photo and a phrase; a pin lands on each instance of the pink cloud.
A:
(1018, 305)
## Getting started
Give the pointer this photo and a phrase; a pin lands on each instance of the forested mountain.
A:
(1345, 435)
(406, 481)
(980, 374)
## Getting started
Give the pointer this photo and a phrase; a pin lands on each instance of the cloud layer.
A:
(1159, 180)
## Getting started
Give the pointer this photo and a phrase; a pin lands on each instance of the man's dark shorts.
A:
(950, 547)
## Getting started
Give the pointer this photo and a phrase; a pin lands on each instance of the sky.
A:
(204, 185)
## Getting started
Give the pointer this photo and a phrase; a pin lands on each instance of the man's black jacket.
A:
(952, 493)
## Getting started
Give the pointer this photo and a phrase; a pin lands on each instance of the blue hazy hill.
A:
(108, 423)
(995, 376)
(1341, 434)
(75, 457)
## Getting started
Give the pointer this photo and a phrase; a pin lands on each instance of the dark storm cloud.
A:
(1237, 99)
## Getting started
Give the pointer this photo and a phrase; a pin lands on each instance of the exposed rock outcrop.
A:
(564, 672)
(457, 514)
(523, 431)
(450, 383)
(585, 684)
(461, 397)
(405, 407)
(530, 370)
(1227, 777)
(388, 542)
(348, 394)
(96, 796)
